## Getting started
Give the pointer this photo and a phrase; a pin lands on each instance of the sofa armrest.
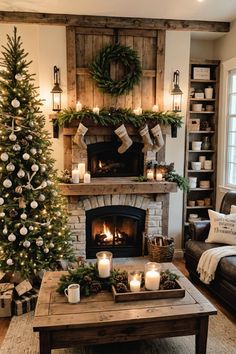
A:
(199, 230)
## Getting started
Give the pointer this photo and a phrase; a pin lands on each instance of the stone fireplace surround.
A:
(153, 197)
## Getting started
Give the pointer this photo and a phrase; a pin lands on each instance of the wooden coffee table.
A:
(98, 319)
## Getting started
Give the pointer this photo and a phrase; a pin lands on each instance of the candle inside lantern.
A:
(155, 108)
(87, 177)
(150, 175)
(152, 276)
(104, 260)
(75, 175)
(135, 281)
(158, 176)
(81, 169)
(96, 110)
(78, 106)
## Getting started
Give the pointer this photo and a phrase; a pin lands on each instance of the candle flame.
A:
(107, 232)
(100, 164)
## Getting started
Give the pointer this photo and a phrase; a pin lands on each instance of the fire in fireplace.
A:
(118, 229)
(105, 161)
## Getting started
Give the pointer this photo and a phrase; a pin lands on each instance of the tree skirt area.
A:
(21, 339)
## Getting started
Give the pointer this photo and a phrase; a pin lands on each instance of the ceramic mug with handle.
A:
(73, 293)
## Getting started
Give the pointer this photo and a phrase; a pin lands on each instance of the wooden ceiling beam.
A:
(113, 22)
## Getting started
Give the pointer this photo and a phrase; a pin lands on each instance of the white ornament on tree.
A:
(58, 213)
(31, 228)
(51, 245)
(26, 244)
(23, 231)
(33, 151)
(54, 193)
(7, 183)
(49, 183)
(34, 168)
(18, 77)
(46, 250)
(43, 168)
(26, 156)
(5, 230)
(4, 156)
(23, 216)
(29, 137)
(1, 201)
(10, 167)
(15, 103)
(31, 124)
(21, 173)
(16, 147)
(34, 204)
(11, 237)
(40, 151)
(12, 137)
(43, 184)
(2, 214)
(18, 189)
(39, 241)
(42, 197)
(10, 262)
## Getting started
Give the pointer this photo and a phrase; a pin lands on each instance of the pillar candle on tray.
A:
(152, 276)
(158, 176)
(75, 175)
(104, 263)
(87, 177)
(81, 168)
(135, 281)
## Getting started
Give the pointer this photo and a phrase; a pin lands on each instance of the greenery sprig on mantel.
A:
(116, 116)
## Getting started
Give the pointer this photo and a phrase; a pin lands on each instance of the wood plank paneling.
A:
(161, 42)
(71, 65)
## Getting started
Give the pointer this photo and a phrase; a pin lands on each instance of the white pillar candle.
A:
(138, 111)
(158, 176)
(155, 108)
(135, 285)
(150, 175)
(87, 177)
(78, 106)
(75, 175)
(152, 280)
(96, 110)
(81, 168)
(104, 268)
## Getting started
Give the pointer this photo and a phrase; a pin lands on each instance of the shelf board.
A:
(200, 189)
(201, 151)
(202, 112)
(201, 207)
(200, 171)
(202, 99)
(202, 81)
(201, 132)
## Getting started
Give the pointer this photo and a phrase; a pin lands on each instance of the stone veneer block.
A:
(107, 200)
(122, 199)
(100, 199)
(94, 202)
(87, 204)
(115, 199)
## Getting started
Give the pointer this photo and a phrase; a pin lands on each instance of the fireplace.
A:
(118, 229)
(105, 161)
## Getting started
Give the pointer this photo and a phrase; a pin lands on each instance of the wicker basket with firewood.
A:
(160, 248)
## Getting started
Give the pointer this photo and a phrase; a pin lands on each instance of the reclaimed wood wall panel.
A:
(85, 43)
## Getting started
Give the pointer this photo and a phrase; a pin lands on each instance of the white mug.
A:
(73, 293)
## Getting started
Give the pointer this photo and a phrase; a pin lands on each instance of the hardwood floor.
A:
(180, 264)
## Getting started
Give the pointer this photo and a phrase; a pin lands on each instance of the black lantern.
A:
(176, 93)
(56, 91)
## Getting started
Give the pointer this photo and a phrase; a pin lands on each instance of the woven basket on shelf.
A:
(158, 253)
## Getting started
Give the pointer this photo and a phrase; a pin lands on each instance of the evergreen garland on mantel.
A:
(116, 116)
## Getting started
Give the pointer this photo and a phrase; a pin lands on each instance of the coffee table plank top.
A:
(54, 312)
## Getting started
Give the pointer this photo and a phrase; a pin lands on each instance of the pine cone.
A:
(87, 279)
(169, 284)
(122, 278)
(164, 278)
(95, 287)
(121, 288)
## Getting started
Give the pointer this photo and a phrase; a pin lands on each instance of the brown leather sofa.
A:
(224, 284)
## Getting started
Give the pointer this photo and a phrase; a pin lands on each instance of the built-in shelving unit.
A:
(202, 124)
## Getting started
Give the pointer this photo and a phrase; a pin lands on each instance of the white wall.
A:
(46, 46)
(177, 57)
(225, 47)
(202, 49)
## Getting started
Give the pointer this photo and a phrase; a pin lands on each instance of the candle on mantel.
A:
(150, 175)
(78, 106)
(75, 175)
(96, 110)
(81, 168)
(155, 108)
(158, 176)
(138, 111)
(152, 276)
(104, 264)
(87, 177)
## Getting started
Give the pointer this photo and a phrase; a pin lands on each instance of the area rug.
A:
(20, 339)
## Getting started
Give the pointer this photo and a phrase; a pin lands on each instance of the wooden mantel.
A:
(117, 185)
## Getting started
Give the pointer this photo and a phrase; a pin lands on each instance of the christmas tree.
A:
(33, 215)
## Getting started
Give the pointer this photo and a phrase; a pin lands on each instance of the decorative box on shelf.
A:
(194, 124)
(6, 294)
(201, 73)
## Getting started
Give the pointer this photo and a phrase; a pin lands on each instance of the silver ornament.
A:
(46, 250)
(7, 183)
(5, 231)
(12, 237)
(51, 245)
(31, 124)
(34, 204)
(1, 201)
(43, 168)
(40, 151)
(10, 262)
(2, 214)
(34, 168)
(23, 231)
(39, 241)
(10, 167)
(33, 151)
(18, 77)
(23, 216)
(29, 137)
(54, 193)
(42, 197)
(26, 156)
(16, 147)
(4, 156)
(15, 103)
(21, 173)
(26, 244)
(31, 228)
(12, 137)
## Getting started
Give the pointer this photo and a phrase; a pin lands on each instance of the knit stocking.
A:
(159, 141)
(147, 141)
(79, 136)
(121, 132)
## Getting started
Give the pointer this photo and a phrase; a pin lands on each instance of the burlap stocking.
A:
(79, 136)
(159, 141)
(121, 132)
(147, 141)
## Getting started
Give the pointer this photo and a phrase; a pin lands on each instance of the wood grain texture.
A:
(71, 66)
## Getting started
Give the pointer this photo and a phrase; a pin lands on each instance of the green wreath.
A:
(100, 69)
